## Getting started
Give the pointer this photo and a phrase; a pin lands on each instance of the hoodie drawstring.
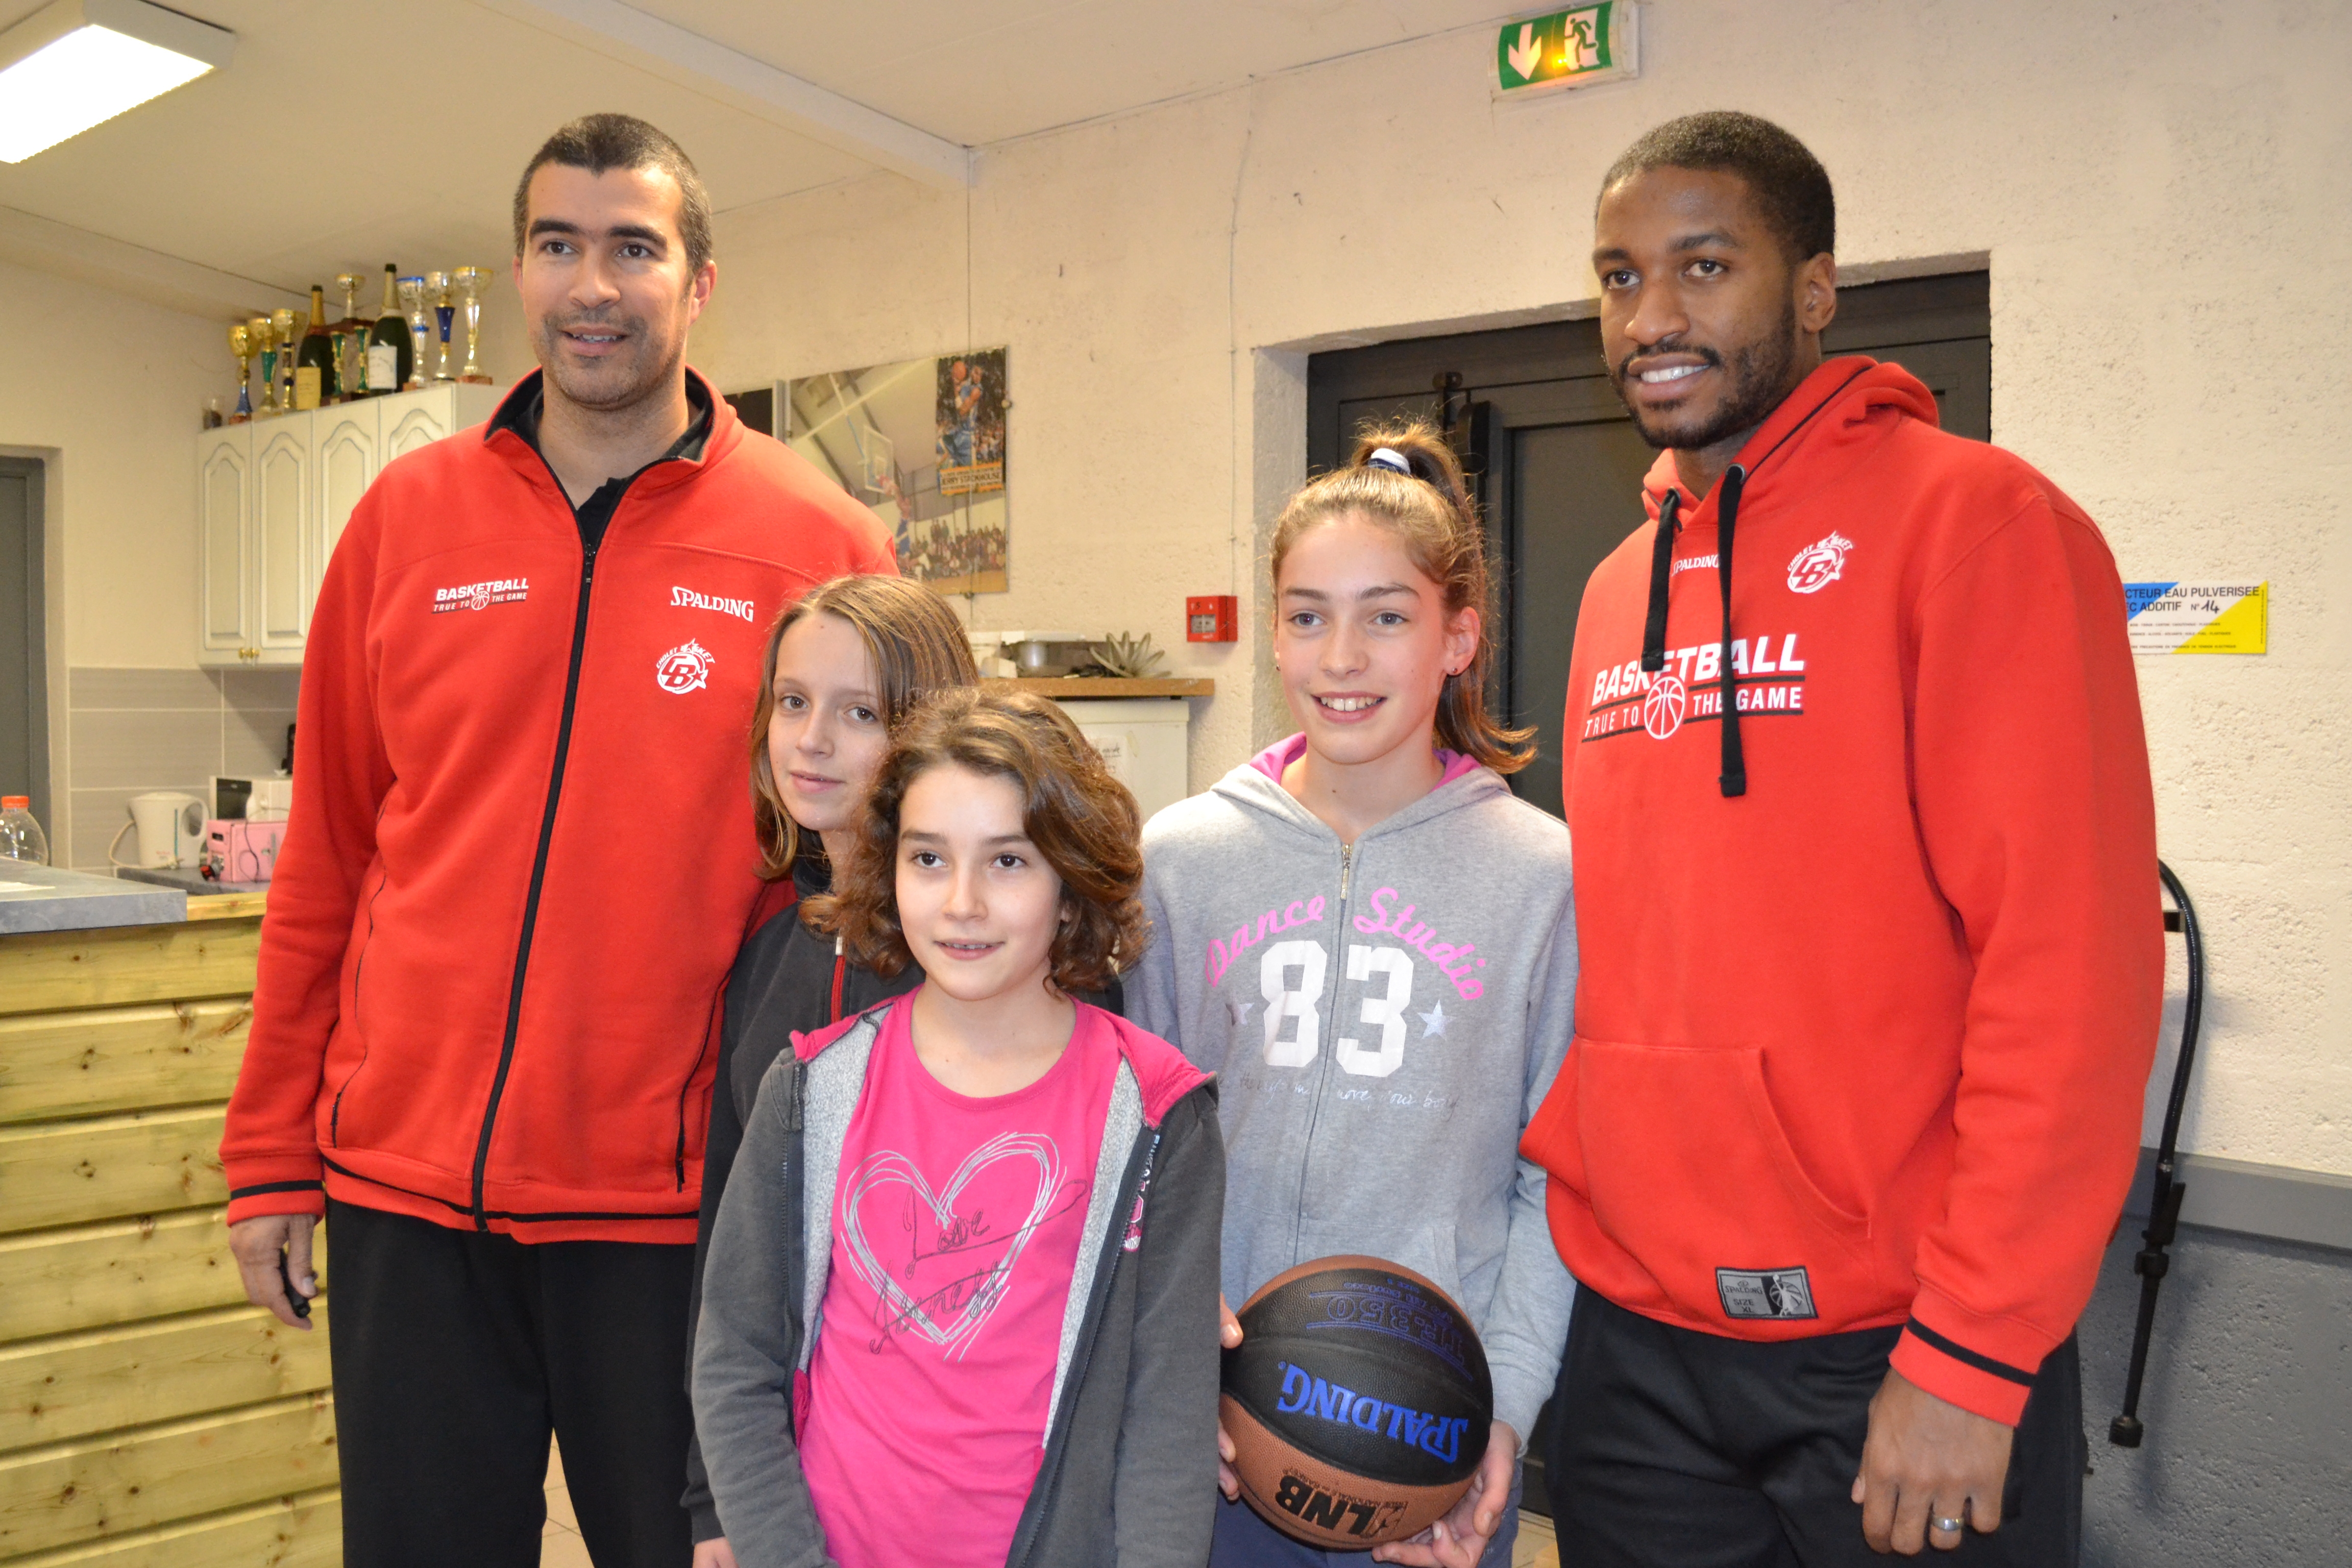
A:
(1732, 780)
(1662, 556)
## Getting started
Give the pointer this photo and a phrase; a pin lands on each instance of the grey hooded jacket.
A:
(1383, 1019)
(1130, 1471)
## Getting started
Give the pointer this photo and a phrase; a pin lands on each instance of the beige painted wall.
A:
(2158, 187)
(115, 387)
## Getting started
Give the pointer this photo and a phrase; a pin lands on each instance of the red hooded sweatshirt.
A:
(1861, 1037)
(520, 857)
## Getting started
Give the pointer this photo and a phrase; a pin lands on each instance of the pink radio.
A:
(238, 851)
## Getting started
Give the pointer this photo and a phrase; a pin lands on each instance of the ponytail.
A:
(1404, 476)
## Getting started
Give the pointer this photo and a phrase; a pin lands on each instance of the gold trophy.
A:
(287, 335)
(412, 299)
(471, 282)
(240, 343)
(263, 335)
(445, 314)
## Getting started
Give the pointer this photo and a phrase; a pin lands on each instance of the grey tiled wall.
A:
(132, 730)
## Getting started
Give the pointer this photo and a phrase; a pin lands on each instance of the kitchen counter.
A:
(147, 1414)
(50, 897)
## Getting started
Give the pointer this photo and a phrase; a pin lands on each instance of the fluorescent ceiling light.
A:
(78, 63)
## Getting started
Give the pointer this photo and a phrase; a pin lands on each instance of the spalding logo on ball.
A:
(1359, 1403)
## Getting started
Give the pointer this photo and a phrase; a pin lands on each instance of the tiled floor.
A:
(560, 1546)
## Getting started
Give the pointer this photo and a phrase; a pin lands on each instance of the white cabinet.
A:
(272, 499)
(420, 423)
(224, 469)
(281, 534)
(343, 463)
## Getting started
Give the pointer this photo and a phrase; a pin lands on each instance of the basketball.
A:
(1359, 1403)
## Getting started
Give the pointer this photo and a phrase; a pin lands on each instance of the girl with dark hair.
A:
(961, 1301)
(1372, 943)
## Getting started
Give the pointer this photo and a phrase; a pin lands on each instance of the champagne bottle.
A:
(390, 356)
(314, 361)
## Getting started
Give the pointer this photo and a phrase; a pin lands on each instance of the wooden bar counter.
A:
(149, 1418)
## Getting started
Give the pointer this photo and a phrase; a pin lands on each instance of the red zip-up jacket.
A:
(1866, 1044)
(520, 855)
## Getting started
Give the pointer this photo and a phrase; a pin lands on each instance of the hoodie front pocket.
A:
(1688, 1168)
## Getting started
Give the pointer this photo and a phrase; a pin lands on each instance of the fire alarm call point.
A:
(1209, 617)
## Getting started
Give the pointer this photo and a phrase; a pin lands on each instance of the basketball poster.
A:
(921, 443)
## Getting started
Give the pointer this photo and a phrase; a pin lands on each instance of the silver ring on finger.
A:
(1950, 1526)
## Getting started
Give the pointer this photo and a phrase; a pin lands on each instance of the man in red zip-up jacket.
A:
(1865, 870)
(519, 862)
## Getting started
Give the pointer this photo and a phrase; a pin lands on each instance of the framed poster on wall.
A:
(921, 442)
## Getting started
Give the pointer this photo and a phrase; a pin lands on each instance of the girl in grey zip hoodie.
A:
(1383, 1015)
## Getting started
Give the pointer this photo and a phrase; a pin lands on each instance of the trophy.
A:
(470, 282)
(411, 301)
(283, 322)
(350, 340)
(445, 314)
(240, 343)
(262, 333)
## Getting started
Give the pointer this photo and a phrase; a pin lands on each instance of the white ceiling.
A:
(307, 157)
(983, 72)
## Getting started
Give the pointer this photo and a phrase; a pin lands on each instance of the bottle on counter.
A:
(21, 838)
(389, 355)
(314, 361)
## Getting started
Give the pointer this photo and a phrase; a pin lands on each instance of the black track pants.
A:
(1672, 1449)
(455, 1353)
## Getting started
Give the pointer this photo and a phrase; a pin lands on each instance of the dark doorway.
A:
(1557, 467)
(24, 641)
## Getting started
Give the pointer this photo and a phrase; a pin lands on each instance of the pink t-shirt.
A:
(956, 1229)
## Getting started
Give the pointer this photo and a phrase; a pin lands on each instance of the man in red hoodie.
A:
(1865, 870)
(519, 861)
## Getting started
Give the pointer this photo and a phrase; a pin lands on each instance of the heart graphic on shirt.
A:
(978, 1268)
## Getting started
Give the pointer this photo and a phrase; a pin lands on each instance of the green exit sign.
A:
(1568, 49)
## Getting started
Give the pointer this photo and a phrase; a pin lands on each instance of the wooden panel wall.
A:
(149, 1418)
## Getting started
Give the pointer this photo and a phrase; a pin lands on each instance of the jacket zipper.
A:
(538, 876)
(1337, 970)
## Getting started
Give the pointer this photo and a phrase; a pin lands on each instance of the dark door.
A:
(1558, 467)
(23, 676)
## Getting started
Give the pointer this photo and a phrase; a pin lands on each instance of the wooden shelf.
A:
(1104, 686)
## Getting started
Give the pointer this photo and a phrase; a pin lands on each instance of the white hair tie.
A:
(1391, 458)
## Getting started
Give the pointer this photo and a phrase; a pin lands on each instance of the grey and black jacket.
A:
(787, 978)
(1130, 1471)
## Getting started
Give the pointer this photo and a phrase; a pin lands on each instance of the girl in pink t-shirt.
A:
(960, 1290)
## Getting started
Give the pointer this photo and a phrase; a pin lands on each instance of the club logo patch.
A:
(684, 669)
(1818, 566)
(1765, 1293)
(1663, 707)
